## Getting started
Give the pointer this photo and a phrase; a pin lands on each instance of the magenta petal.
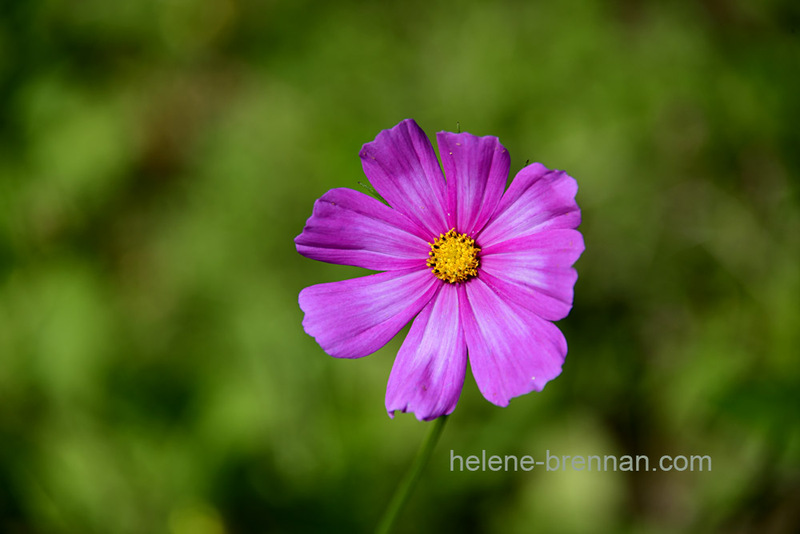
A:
(402, 166)
(512, 351)
(537, 199)
(356, 317)
(350, 228)
(535, 271)
(477, 170)
(429, 370)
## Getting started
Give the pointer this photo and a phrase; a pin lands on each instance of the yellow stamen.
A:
(454, 257)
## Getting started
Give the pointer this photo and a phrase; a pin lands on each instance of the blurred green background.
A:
(157, 157)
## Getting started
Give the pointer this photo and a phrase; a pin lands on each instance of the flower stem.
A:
(408, 483)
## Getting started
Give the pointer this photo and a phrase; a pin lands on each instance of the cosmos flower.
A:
(481, 272)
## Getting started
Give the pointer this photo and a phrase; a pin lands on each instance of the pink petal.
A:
(350, 228)
(429, 370)
(512, 351)
(536, 200)
(535, 271)
(476, 169)
(402, 166)
(356, 317)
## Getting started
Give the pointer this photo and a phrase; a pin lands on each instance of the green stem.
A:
(406, 486)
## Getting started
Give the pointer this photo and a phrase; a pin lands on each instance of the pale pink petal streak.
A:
(537, 199)
(535, 271)
(350, 228)
(429, 370)
(512, 351)
(476, 169)
(356, 317)
(402, 167)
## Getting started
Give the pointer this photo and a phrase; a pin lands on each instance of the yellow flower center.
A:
(454, 257)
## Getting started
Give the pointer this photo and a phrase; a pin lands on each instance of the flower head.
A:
(481, 272)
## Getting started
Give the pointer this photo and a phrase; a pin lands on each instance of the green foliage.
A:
(158, 157)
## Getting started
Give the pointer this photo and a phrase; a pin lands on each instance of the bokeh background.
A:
(157, 157)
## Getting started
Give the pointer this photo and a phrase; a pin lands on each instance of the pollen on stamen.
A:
(454, 257)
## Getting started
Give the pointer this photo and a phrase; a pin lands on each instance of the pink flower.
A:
(482, 272)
